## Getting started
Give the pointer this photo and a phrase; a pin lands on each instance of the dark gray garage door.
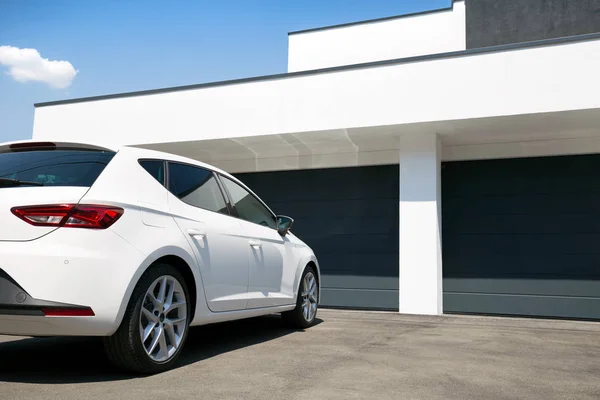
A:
(349, 216)
(522, 236)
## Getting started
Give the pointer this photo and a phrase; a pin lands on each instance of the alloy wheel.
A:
(310, 295)
(163, 319)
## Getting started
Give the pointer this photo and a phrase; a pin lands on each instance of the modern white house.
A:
(441, 162)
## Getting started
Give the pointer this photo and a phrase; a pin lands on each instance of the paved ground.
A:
(349, 355)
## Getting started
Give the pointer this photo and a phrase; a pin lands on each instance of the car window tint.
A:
(197, 187)
(249, 207)
(61, 167)
(156, 168)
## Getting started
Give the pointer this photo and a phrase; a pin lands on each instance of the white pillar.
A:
(420, 225)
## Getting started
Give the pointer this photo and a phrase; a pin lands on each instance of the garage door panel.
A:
(520, 186)
(334, 184)
(341, 243)
(334, 225)
(525, 176)
(359, 282)
(331, 192)
(511, 263)
(527, 266)
(350, 208)
(543, 245)
(349, 217)
(521, 236)
(542, 204)
(518, 286)
(359, 299)
(373, 177)
(360, 264)
(518, 224)
(547, 306)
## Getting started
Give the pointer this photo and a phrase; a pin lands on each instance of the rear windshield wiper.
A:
(16, 182)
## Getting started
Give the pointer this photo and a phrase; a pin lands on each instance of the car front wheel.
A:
(307, 303)
(155, 324)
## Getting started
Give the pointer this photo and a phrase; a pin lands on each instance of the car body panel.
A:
(73, 266)
(272, 267)
(221, 254)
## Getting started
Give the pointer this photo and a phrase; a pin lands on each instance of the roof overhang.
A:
(532, 93)
(532, 135)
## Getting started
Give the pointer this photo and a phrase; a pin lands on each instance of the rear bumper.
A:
(69, 269)
(14, 300)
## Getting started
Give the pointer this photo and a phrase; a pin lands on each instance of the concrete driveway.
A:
(347, 355)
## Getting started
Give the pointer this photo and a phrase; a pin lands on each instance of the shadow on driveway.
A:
(77, 360)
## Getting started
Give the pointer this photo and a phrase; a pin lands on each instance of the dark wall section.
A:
(498, 22)
(520, 236)
(349, 216)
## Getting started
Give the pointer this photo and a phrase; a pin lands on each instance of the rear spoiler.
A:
(28, 145)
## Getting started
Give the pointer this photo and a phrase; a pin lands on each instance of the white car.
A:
(136, 246)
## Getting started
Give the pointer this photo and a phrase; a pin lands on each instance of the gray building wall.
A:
(498, 22)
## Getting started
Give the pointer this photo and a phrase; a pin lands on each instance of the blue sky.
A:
(120, 46)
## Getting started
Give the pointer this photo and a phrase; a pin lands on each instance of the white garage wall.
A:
(405, 36)
(524, 81)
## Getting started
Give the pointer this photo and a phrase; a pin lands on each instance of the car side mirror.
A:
(284, 224)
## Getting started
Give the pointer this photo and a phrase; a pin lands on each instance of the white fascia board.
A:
(455, 86)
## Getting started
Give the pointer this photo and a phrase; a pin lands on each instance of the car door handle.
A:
(196, 233)
(255, 243)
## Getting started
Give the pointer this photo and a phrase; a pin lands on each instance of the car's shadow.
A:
(77, 360)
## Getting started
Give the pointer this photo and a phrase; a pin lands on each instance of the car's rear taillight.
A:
(69, 215)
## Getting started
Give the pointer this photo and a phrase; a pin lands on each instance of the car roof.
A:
(140, 151)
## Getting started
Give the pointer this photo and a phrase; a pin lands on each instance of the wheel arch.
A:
(179, 259)
(186, 271)
(309, 261)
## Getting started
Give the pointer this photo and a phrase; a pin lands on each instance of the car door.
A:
(202, 213)
(272, 265)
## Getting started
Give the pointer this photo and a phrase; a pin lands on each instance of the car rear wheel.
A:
(155, 324)
(307, 303)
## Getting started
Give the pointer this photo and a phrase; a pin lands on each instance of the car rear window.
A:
(67, 167)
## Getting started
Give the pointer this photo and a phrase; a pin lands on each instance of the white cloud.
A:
(26, 65)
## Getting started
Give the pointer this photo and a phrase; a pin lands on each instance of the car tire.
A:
(304, 314)
(161, 287)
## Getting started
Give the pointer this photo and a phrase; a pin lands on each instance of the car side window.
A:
(249, 207)
(156, 168)
(197, 187)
